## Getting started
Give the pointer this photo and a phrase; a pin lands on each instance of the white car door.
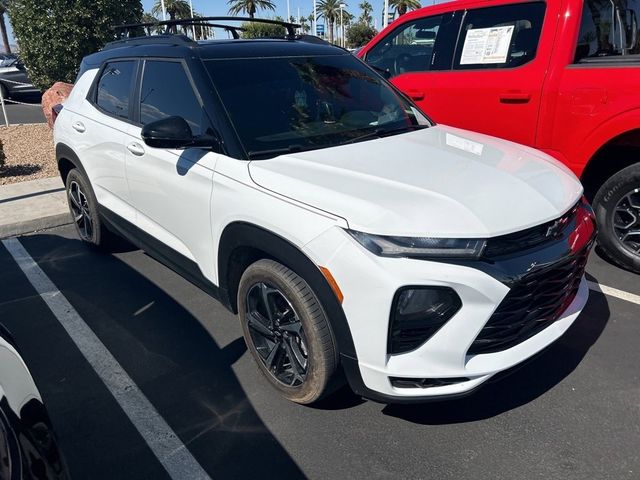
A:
(99, 129)
(171, 189)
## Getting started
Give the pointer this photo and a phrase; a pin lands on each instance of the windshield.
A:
(287, 104)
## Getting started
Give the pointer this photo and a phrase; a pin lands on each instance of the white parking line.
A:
(614, 292)
(162, 440)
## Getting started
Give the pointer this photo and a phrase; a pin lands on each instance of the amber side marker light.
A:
(332, 283)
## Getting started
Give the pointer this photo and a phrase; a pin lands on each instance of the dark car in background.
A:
(14, 80)
(28, 448)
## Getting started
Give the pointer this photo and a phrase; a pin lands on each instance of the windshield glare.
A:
(304, 103)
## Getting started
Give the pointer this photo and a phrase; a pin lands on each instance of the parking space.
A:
(571, 413)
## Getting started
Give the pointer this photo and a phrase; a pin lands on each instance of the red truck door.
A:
(597, 82)
(487, 78)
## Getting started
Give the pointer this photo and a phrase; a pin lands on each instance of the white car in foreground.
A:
(292, 182)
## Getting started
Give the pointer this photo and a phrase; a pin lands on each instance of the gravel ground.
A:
(29, 151)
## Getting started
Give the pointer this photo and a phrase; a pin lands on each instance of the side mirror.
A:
(170, 132)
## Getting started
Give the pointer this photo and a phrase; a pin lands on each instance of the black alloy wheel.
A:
(79, 206)
(277, 334)
(287, 332)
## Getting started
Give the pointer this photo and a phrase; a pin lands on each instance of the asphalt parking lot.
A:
(29, 111)
(574, 412)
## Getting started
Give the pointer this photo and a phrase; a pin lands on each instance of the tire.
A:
(84, 211)
(273, 342)
(617, 205)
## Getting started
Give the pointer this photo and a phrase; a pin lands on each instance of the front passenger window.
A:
(412, 47)
(166, 91)
(500, 37)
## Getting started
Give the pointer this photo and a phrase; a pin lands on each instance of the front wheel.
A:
(617, 208)
(287, 331)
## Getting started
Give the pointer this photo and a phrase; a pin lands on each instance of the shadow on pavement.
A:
(532, 379)
(181, 369)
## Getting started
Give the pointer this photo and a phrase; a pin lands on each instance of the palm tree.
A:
(304, 26)
(176, 9)
(202, 31)
(250, 7)
(403, 6)
(330, 11)
(4, 4)
(148, 18)
(365, 16)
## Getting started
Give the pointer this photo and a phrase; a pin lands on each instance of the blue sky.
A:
(220, 7)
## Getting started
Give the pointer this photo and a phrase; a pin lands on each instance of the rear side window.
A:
(113, 90)
(166, 91)
(499, 37)
(608, 32)
(418, 46)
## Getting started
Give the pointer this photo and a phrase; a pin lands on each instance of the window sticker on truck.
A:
(486, 45)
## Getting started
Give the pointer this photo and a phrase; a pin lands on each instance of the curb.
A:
(35, 225)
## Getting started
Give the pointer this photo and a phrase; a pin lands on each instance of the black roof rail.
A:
(313, 39)
(229, 28)
(149, 40)
(291, 27)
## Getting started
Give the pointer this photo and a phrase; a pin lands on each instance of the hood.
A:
(437, 182)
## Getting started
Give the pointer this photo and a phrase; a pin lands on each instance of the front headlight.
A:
(420, 247)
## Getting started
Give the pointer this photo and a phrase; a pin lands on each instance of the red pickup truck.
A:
(562, 76)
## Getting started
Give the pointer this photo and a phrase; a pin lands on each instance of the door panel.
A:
(600, 85)
(171, 190)
(99, 143)
(494, 78)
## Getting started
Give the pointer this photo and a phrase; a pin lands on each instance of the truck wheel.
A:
(287, 331)
(84, 212)
(617, 208)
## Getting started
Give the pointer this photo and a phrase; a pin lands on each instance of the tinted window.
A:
(166, 91)
(608, 31)
(418, 46)
(499, 37)
(303, 103)
(114, 88)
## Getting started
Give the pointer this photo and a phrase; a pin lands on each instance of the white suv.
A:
(349, 233)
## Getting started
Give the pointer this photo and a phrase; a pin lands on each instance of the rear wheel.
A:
(287, 332)
(617, 208)
(84, 212)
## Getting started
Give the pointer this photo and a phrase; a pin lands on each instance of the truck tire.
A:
(617, 209)
(287, 332)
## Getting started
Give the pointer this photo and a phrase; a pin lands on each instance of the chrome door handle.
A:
(78, 127)
(136, 149)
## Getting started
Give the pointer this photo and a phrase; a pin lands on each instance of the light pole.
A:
(164, 10)
(315, 19)
(288, 12)
(342, 5)
(385, 18)
(193, 27)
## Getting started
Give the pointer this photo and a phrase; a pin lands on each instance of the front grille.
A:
(531, 237)
(533, 303)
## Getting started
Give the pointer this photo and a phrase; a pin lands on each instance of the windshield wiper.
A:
(273, 152)
(383, 132)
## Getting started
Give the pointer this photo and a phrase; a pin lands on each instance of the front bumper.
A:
(369, 284)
